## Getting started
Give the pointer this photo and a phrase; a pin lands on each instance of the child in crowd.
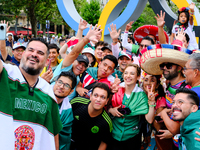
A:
(185, 21)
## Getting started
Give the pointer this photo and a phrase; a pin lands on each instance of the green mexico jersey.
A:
(32, 113)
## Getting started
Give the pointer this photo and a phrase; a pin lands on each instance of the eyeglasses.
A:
(167, 65)
(65, 85)
(142, 45)
(184, 68)
(180, 102)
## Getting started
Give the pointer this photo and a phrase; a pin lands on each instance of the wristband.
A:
(126, 32)
(191, 13)
(177, 42)
(152, 105)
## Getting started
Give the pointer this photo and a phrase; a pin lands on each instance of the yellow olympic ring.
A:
(106, 13)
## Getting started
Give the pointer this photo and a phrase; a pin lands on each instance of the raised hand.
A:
(82, 25)
(129, 26)
(47, 75)
(180, 35)
(192, 5)
(151, 95)
(93, 33)
(115, 85)
(113, 32)
(160, 19)
(7, 27)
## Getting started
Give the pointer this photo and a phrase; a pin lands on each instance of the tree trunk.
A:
(33, 20)
(44, 28)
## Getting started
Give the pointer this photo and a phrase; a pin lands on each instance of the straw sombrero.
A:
(154, 55)
(145, 30)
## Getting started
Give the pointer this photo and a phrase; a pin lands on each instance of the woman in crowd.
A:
(127, 105)
(89, 52)
(157, 102)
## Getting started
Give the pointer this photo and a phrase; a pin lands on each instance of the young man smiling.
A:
(101, 74)
(185, 110)
(92, 126)
(73, 61)
(63, 87)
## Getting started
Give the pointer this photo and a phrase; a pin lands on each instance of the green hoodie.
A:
(190, 125)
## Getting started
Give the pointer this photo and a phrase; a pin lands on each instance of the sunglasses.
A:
(167, 65)
(142, 45)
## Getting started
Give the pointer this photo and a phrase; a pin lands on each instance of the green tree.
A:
(4, 11)
(91, 12)
(36, 10)
(78, 4)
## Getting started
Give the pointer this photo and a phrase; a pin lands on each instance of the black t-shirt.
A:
(88, 132)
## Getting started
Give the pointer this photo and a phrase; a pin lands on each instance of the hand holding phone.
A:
(2, 31)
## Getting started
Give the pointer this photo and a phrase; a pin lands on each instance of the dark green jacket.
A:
(190, 125)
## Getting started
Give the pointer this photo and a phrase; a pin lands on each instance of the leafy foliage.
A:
(91, 12)
(36, 10)
(78, 4)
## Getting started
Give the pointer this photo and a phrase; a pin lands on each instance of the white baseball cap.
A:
(17, 45)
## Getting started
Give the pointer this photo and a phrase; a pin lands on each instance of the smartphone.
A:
(124, 111)
(158, 133)
(2, 31)
(49, 65)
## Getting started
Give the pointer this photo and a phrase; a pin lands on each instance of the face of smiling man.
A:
(182, 106)
(34, 58)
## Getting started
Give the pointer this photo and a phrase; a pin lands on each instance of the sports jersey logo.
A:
(24, 138)
(77, 117)
(95, 129)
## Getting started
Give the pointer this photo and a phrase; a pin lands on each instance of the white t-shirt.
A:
(191, 33)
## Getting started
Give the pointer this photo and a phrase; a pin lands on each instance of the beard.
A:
(171, 75)
(59, 96)
(184, 115)
(30, 70)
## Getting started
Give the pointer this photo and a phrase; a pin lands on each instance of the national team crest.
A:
(24, 138)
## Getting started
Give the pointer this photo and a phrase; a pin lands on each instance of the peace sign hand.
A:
(151, 94)
(129, 26)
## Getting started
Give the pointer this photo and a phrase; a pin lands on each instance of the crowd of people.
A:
(83, 93)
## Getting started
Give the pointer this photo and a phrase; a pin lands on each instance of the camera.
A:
(124, 111)
(2, 31)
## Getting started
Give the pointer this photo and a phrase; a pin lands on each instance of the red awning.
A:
(41, 32)
(30, 32)
(23, 32)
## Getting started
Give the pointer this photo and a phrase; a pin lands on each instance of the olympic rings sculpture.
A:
(133, 10)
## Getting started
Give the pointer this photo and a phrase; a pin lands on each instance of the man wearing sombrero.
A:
(168, 60)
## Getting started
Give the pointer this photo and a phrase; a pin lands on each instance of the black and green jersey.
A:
(88, 132)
